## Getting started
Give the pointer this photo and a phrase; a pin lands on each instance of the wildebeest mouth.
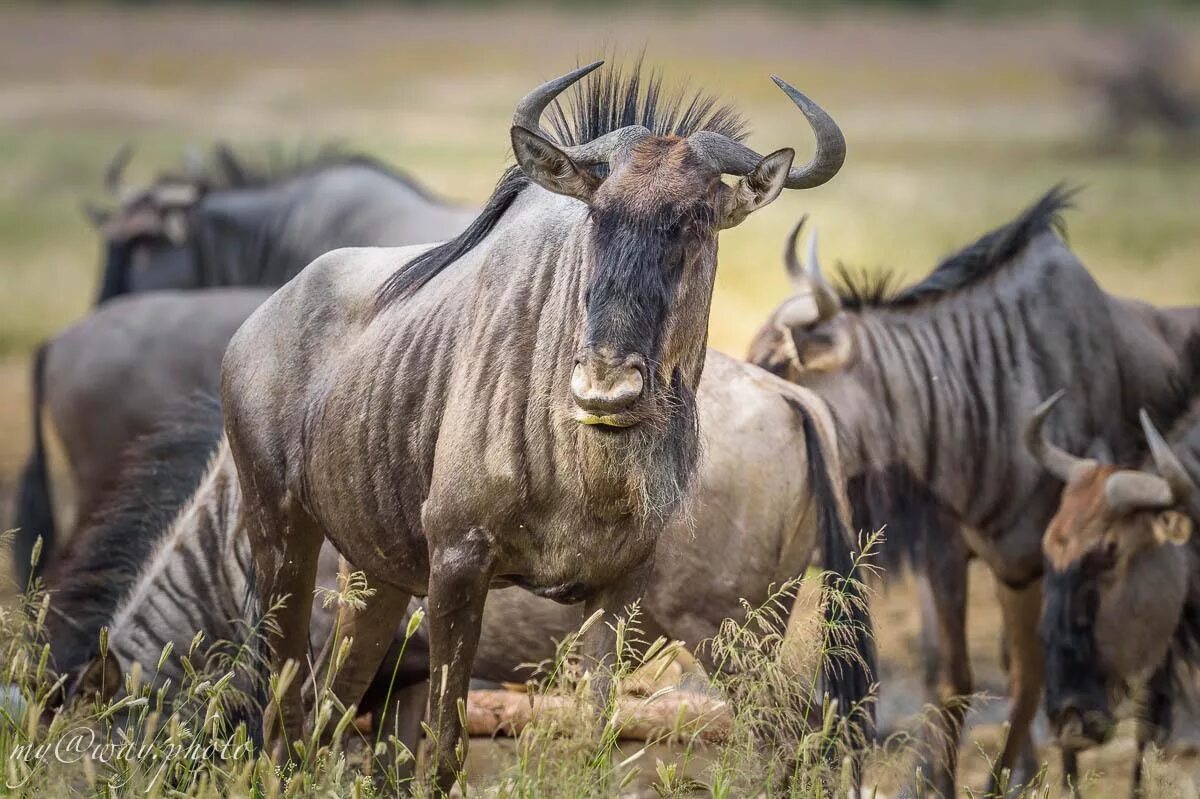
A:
(603, 420)
(1076, 732)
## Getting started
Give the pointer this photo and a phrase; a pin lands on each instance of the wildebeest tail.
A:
(849, 661)
(34, 511)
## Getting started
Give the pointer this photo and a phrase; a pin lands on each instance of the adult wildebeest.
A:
(154, 575)
(1122, 590)
(767, 493)
(239, 227)
(928, 386)
(515, 406)
(248, 225)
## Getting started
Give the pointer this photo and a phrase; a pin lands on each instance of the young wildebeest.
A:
(246, 227)
(928, 386)
(1122, 597)
(516, 406)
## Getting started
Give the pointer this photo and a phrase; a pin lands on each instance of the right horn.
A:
(1053, 459)
(1166, 463)
(734, 158)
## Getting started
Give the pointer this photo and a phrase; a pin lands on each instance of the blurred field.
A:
(953, 126)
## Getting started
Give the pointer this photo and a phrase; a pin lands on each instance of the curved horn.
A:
(1058, 462)
(735, 158)
(807, 278)
(116, 168)
(529, 112)
(1127, 491)
(229, 164)
(1166, 463)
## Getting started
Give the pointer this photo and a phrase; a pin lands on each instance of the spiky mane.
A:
(985, 257)
(607, 100)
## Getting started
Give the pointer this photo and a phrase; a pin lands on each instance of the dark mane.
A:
(971, 264)
(230, 170)
(158, 474)
(610, 99)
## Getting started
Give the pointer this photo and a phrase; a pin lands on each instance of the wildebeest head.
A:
(1116, 579)
(655, 206)
(808, 334)
(146, 238)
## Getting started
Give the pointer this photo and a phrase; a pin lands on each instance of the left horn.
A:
(1053, 459)
(735, 158)
(529, 116)
(1166, 463)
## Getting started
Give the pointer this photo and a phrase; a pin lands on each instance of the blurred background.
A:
(957, 114)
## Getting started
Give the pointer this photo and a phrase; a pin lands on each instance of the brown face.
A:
(652, 263)
(1114, 591)
(646, 302)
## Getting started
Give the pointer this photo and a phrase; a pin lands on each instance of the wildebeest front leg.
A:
(1020, 609)
(1154, 723)
(599, 642)
(459, 574)
(943, 576)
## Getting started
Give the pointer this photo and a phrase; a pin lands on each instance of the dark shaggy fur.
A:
(973, 263)
(35, 513)
(160, 472)
(607, 100)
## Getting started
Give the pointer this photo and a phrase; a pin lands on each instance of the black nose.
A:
(604, 382)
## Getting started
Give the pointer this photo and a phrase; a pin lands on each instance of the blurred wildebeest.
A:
(1121, 613)
(244, 226)
(1147, 89)
(928, 386)
(516, 406)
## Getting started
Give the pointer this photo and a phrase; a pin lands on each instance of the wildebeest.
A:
(259, 226)
(515, 406)
(103, 381)
(928, 386)
(767, 493)
(1121, 613)
(768, 485)
(254, 227)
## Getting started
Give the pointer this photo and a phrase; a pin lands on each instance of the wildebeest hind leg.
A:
(370, 623)
(286, 544)
(459, 575)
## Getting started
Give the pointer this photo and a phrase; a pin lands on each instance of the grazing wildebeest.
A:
(516, 406)
(1121, 613)
(928, 385)
(239, 227)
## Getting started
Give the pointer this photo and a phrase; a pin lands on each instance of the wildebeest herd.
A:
(531, 403)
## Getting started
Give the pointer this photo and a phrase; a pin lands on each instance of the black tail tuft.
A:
(850, 665)
(34, 511)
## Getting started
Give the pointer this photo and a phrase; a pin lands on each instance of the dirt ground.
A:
(954, 124)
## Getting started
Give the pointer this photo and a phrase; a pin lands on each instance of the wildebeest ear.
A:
(550, 167)
(1172, 527)
(759, 188)
(101, 678)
